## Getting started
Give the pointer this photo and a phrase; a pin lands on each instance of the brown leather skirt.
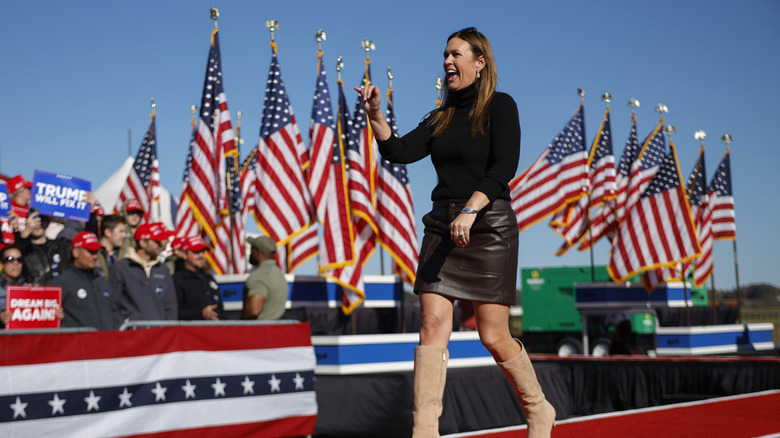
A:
(485, 270)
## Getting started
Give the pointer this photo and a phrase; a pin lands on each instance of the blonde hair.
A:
(485, 87)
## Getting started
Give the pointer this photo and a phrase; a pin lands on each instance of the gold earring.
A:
(478, 74)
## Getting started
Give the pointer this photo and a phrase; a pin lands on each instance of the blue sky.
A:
(78, 75)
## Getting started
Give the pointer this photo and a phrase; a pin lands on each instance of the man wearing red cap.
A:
(196, 291)
(19, 190)
(134, 214)
(86, 295)
(143, 286)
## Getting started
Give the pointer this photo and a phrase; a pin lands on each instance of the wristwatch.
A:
(469, 211)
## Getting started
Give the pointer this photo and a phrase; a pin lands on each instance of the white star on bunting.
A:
(159, 392)
(57, 405)
(249, 385)
(124, 398)
(219, 388)
(92, 401)
(275, 384)
(19, 408)
(189, 390)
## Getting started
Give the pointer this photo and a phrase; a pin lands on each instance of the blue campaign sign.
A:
(58, 195)
(5, 201)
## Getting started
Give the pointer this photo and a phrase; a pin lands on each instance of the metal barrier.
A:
(133, 325)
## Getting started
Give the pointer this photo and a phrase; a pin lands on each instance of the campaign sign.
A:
(33, 306)
(5, 201)
(60, 195)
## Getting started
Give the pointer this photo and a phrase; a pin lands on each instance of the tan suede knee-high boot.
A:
(430, 373)
(539, 413)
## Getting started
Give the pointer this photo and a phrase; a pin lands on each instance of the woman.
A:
(469, 250)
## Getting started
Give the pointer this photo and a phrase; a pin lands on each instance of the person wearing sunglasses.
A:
(11, 260)
(470, 244)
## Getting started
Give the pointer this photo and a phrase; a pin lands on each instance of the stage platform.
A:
(479, 398)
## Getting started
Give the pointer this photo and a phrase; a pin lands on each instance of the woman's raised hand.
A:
(371, 98)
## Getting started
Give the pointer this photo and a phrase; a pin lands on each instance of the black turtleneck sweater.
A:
(465, 163)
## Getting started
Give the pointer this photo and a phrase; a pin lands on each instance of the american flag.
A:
(696, 193)
(723, 225)
(395, 212)
(635, 170)
(658, 231)
(317, 171)
(213, 381)
(282, 203)
(143, 182)
(362, 175)
(556, 178)
(572, 222)
(228, 251)
(338, 237)
(186, 224)
(702, 219)
(206, 187)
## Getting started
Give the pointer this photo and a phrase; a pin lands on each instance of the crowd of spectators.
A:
(116, 268)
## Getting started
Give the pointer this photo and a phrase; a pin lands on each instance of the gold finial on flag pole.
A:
(607, 98)
(238, 140)
(320, 38)
(368, 45)
(154, 106)
(669, 129)
(700, 135)
(727, 138)
(439, 85)
(661, 109)
(272, 25)
(581, 93)
(633, 103)
(193, 110)
(339, 66)
(389, 78)
(214, 15)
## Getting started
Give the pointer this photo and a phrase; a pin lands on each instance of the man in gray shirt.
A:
(265, 290)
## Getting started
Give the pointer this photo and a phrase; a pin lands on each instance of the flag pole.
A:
(669, 129)
(154, 204)
(272, 25)
(439, 86)
(727, 138)
(701, 135)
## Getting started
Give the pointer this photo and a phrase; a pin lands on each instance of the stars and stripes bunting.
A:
(143, 181)
(658, 230)
(395, 211)
(282, 202)
(572, 222)
(209, 381)
(556, 178)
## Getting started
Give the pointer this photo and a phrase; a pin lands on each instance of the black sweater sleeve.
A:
(412, 147)
(505, 146)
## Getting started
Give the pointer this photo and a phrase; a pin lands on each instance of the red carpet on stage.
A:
(741, 416)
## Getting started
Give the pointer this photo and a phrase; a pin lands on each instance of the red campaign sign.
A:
(33, 306)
